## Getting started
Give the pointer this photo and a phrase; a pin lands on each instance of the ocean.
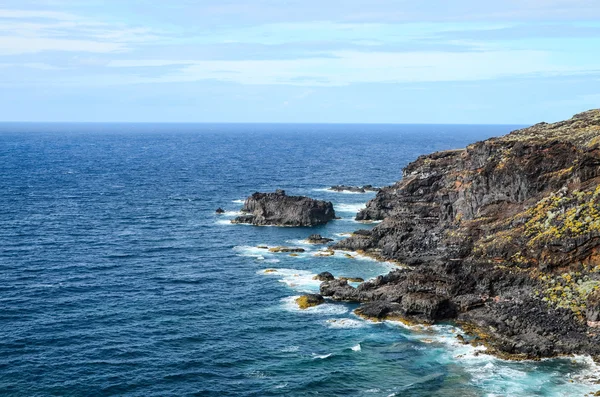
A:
(118, 279)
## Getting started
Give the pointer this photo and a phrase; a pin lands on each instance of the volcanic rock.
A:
(502, 236)
(279, 209)
(318, 239)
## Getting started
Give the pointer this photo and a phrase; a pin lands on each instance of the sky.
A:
(327, 61)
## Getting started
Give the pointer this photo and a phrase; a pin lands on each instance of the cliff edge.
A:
(503, 236)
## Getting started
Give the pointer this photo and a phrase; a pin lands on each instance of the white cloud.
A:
(26, 45)
(27, 32)
(26, 14)
(348, 67)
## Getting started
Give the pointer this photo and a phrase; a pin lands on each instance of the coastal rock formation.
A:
(354, 189)
(503, 236)
(309, 300)
(318, 239)
(286, 249)
(279, 209)
(220, 211)
(324, 276)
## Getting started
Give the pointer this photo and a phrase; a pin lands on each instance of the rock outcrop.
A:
(503, 236)
(279, 209)
(309, 300)
(354, 189)
(324, 276)
(318, 239)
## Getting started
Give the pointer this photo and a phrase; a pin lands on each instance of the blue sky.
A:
(377, 61)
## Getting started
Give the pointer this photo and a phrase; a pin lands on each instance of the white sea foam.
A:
(346, 207)
(342, 192)
(321, 356)
(330, 309)
(300, 242)
(224, 222)
(232, 213)
(248, 250)
(345, 323)
(299, 280)
(500, 377)
(290, 349)
(239, 201)
(356, 348)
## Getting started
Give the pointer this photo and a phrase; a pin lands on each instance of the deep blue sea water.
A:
(117, 278)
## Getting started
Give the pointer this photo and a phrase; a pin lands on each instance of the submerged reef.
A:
(502, 236)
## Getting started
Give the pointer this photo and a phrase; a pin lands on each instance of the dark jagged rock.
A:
(279, 209)
(593, 309)
(324, 276)
(503, 236)
(318, 239)
(352, 279)
(220, 210)
(354, 189)
(339, 290)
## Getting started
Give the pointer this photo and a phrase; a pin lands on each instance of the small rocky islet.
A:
(501, 237)
(279, 209)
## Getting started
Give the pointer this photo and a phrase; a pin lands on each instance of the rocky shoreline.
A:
(502, 237)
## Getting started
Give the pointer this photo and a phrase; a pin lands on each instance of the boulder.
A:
(318, 239)
(220, 210)
(352, 279)
(309, 300)
(324, 276)
(279, 209)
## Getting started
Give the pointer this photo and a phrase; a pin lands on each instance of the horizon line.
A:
(257, 122)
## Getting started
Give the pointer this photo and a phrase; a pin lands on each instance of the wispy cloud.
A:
(30, 31)
(349, 67)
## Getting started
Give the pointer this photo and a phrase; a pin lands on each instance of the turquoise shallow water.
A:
(119, 279)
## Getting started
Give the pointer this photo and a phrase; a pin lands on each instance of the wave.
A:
(502, 377)
(232, 213)
(252, 252)
(298, 280)
(238, 201)
(356, 348)
(354, 208)
(289, 304)
(342, 192)
(321, 356)
(345, 323)
(290, 349)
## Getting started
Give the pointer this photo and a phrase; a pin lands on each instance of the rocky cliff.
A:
(503, 235)
(279, 209)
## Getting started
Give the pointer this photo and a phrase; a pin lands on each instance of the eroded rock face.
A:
(498, 235)
(593, 307)
(279, 209)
